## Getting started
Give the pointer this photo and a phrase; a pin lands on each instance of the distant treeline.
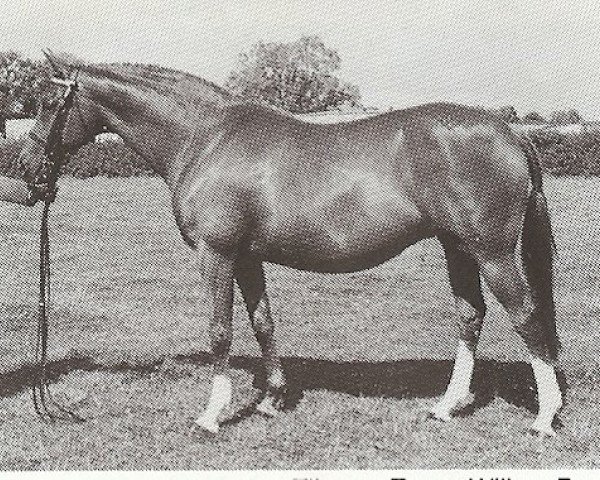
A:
(560, 154)
(558, 117)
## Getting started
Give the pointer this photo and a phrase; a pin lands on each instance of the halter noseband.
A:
(54, 151)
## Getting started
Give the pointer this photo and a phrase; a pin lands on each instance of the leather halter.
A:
(54, 150)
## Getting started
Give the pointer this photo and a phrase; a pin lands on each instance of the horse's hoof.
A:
(268, 406)
(444, 411)
(542, 431)
(464, 402)
(439, 414)
(209, 426)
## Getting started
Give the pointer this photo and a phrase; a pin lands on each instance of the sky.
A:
(541, 55)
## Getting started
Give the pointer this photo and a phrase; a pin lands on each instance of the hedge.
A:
(568, 153)
(108, 158)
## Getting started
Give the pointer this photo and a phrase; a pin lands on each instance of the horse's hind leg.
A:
(217, 276)
(251, 280)
(507, 284)
(463, 273)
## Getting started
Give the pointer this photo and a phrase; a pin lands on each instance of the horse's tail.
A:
(538, 249)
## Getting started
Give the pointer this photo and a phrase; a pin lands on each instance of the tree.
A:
(533, 117)
(565, 117)
(299, 76)
(22, 85)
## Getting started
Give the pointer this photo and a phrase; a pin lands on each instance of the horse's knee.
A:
(262, 323)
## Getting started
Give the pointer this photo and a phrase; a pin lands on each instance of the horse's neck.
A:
(156, 127)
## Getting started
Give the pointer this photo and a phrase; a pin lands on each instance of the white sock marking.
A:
(460, 382)
(220, 398)
(549, 394)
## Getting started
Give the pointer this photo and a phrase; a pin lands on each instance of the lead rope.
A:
(45, 406)
(40, 388)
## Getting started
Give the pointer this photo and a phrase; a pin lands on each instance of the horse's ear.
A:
(53, 63)
(62, 63)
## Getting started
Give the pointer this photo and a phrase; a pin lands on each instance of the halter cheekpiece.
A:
(54, 151)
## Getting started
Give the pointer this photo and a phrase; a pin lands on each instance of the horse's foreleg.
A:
(251, 280)
(217, 275)
(463, 273)
(512, 292)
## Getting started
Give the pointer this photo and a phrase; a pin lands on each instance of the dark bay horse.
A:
(250, 185)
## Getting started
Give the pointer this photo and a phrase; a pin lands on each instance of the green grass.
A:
(367, 353)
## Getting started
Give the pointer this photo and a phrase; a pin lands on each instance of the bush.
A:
(299, 77)
(534, 117)
(108, 158)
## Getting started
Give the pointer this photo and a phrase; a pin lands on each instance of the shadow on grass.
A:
(400, 379)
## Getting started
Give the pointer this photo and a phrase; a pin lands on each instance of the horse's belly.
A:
(336, 250)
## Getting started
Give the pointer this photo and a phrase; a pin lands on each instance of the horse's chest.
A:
(214, 209)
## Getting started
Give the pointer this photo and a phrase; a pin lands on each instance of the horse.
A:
(251, 185)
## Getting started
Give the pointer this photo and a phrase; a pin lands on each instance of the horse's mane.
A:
(184, 86)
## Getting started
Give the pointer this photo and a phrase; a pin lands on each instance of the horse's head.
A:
(65, 121)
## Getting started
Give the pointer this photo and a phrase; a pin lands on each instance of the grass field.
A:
(366, 353)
